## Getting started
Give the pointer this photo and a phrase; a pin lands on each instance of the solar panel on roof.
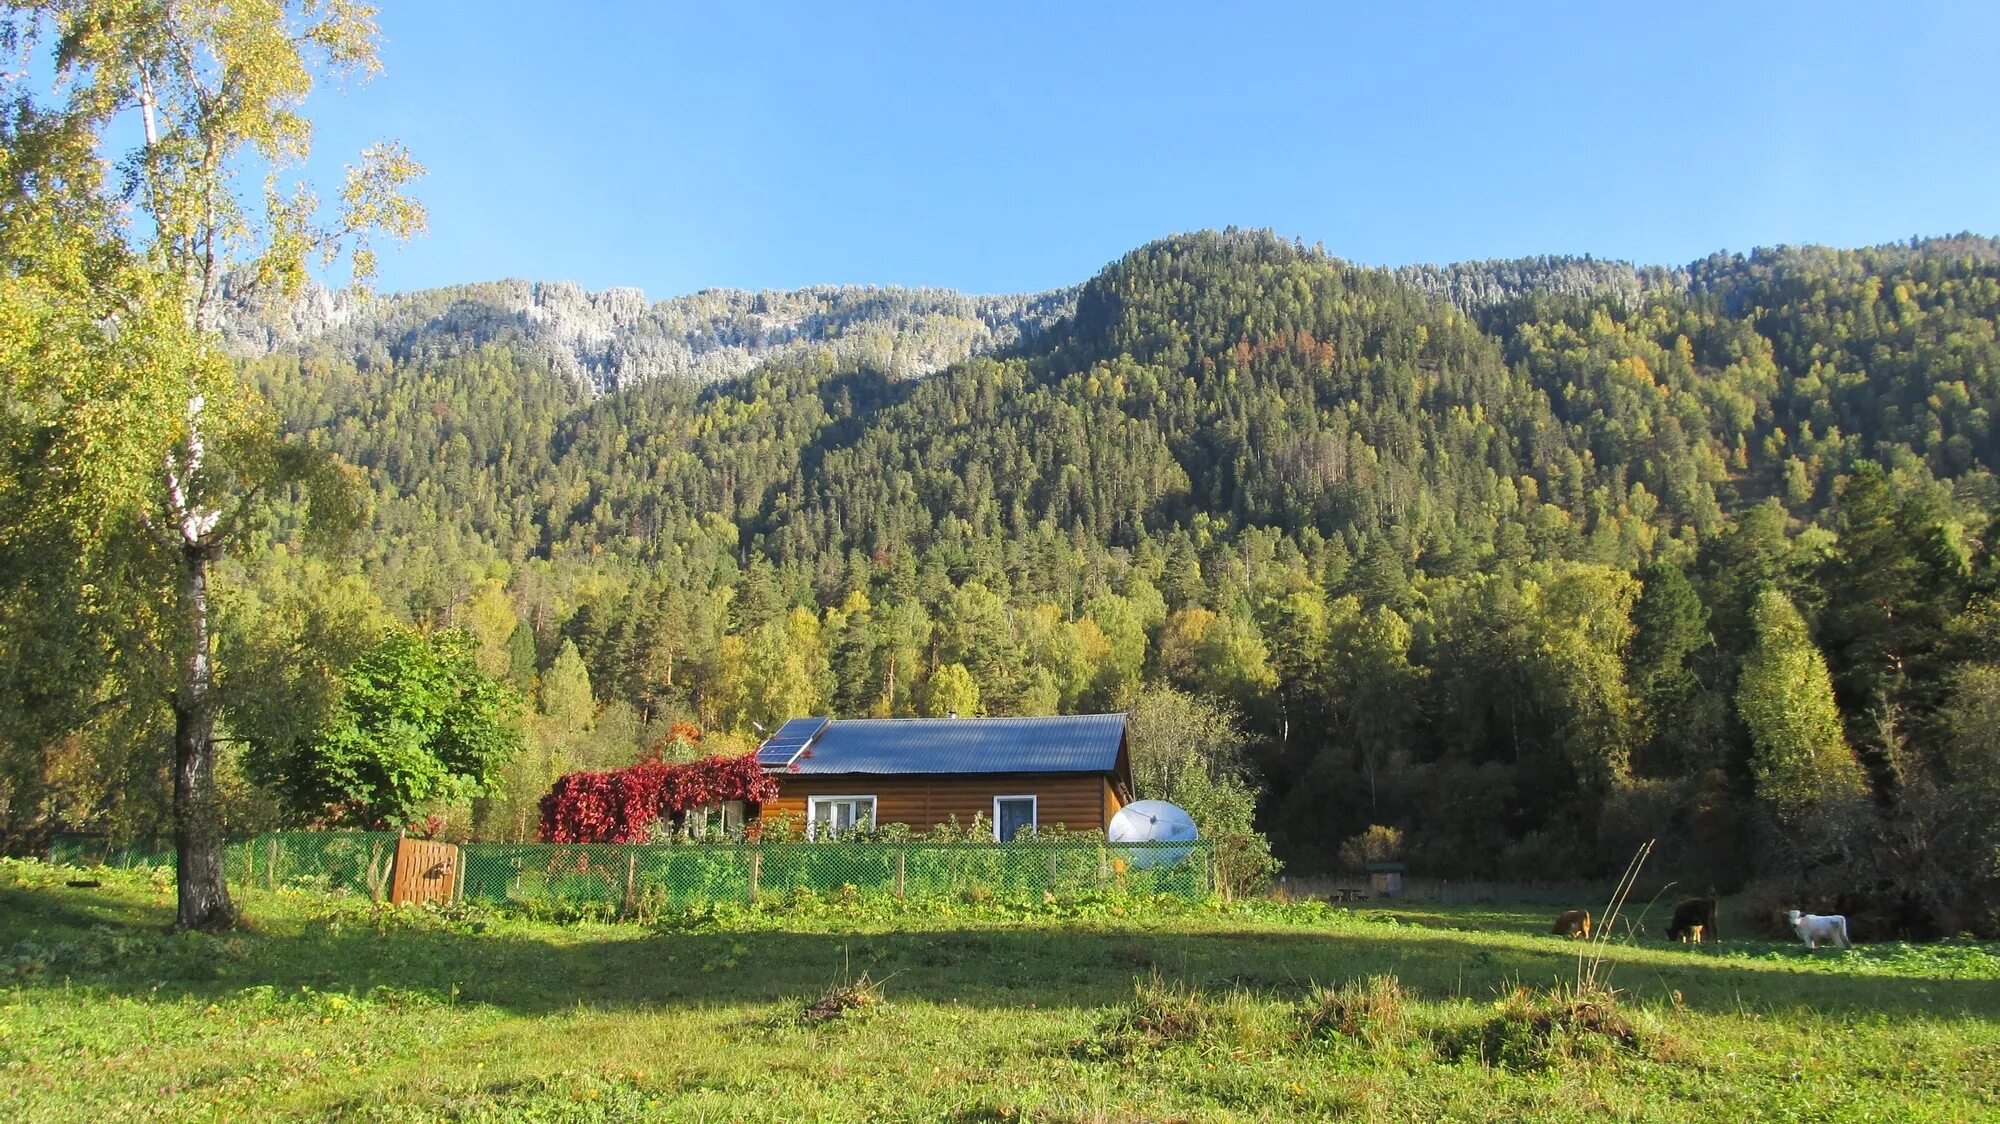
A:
(801, 728)
(784, 747)
(780, 751)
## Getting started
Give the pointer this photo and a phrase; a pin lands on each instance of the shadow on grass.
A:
(64, 909)
(116, 942)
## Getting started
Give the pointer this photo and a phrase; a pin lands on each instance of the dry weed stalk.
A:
(1591, 974)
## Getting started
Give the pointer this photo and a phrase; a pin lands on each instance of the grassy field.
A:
(828, 1010)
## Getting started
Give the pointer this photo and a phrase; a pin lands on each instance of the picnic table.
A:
(1346, 894)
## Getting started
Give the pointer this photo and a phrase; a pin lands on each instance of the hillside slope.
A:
(1234, 377)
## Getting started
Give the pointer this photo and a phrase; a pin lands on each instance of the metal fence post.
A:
(756, 869)
(902, 863)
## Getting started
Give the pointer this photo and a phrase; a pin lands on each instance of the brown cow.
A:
(1693, 920)
(1573, 923)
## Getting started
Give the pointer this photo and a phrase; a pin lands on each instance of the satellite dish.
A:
(1153, 822)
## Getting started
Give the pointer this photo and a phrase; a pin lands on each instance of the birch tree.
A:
(155, 170)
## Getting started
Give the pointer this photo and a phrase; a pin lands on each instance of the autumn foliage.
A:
(621, 805)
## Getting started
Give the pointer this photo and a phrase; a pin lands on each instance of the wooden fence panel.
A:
(425, 872)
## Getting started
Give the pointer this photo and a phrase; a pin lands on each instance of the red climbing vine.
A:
(621, 805)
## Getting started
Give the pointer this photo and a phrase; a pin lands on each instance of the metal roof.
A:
(1079, 743)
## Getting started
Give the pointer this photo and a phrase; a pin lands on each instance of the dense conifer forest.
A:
(1532, 561)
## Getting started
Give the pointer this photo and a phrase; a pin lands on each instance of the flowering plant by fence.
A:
(622, 877)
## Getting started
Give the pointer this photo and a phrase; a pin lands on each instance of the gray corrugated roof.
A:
(1079, 743)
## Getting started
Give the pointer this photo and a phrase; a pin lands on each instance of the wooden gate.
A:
(425, 872)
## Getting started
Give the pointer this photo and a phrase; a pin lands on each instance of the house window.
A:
(834, 816)
(1013, 815)
(725, 818)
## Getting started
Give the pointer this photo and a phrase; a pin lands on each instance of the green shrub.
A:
(1379, 844)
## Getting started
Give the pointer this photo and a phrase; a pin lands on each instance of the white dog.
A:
(1813, 928)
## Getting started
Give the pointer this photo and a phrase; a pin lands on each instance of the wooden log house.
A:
(1023, 774)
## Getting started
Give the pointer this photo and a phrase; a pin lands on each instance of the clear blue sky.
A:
(1006, 147)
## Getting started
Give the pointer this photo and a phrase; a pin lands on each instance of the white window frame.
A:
(812, 821)
(1034, 812)
(698, 817)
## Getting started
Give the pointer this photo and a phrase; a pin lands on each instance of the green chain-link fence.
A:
(92, 850)
(696, 874)
(700, 873)
(328, 860)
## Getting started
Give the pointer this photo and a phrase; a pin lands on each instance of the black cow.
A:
(1694, 919)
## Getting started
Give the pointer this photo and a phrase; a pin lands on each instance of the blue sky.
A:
(1009, 147)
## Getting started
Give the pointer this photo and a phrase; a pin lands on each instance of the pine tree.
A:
(1893, 582)
(1670, 625)
(1381, 579)
(521, 658)
(855, 690)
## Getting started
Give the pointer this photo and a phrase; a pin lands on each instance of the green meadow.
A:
(1109, 1009)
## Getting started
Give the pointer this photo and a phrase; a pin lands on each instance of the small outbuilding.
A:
(836, 774)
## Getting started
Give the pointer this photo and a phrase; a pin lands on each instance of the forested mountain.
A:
(615, 338)
(1533, 560)
(1233, 380)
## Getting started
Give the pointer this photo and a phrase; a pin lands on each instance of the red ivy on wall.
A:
(621, 805)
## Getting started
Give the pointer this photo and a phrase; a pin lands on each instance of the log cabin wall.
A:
(1078, 801)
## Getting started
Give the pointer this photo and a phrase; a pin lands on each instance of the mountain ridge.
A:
(610, 338)
(1364, 417)
(605, 339)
